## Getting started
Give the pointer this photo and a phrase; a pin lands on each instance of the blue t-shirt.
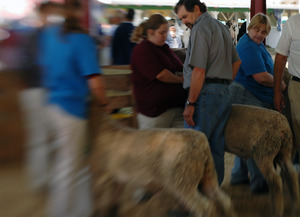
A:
(255, 59)
(66, 60)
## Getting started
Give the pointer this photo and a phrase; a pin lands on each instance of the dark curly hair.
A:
(130, 14)
(189, 5)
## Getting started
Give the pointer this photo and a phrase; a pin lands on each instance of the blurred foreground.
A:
(16, 199)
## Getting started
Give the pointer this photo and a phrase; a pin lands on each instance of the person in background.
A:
(70, 74)
(242, 30)
(121, 45)
(173, 40)
(33, 99)
(108, 31)
(288, 49)
(157, 89)
(210, 65)
(253, 85)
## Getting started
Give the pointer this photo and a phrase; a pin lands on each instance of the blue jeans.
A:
(240, 170)
(211, 113)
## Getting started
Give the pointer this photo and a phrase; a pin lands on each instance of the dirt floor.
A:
(16, 199)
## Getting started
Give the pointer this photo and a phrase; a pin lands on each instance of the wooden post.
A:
(258, 6)
(86, 16)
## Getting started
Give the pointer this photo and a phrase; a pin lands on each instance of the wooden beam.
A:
(156, 7)
(86, 16)
(258, 6)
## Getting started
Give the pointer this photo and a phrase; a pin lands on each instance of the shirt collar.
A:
(202, 17)
(249, 39)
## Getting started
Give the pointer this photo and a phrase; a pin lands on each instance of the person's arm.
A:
(97, 88)
(197, 81)
(235, 68)
(280, 62)
(264, 78)
(168, 77)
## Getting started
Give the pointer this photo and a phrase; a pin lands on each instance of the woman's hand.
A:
(169, 77)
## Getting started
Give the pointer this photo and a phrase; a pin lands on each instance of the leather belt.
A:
(213, 80)
(294, 78)
(217, 81)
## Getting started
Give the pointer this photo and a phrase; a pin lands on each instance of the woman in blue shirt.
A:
(253, 85)
(71, 71)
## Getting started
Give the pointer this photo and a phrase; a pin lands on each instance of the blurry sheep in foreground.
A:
(175, 161)
(265, 136)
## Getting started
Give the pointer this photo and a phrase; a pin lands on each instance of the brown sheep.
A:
(175, 161)
(265, 136)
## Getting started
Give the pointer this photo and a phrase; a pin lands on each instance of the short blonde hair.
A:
(259, 19)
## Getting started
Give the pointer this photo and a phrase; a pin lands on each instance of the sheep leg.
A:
(291, 176)
(198, 204)
(186, 190)
(106, 196)
(275, 185)
(202, 197)
(209, 186)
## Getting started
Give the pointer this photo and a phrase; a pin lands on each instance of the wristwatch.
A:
(188, 103)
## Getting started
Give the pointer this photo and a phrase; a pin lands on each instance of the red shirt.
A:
(152, 96)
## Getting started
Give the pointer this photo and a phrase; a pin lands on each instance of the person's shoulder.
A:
(142, 48)
(210, 20)
(143, 44)
(80, 35)
(294, 18)
(81, 39)
(246, 40)
(49, 32)
(128, 27)
(125, 25)
(246, 44)
(206, 24)
(51, 29)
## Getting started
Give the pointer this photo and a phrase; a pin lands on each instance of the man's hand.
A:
(278, 101)
(283, 86)
(188, 115)
(279, 85)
